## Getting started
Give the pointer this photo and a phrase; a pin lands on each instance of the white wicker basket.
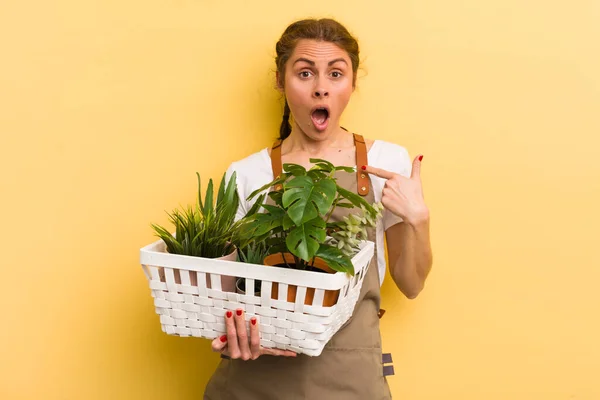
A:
(187, 310)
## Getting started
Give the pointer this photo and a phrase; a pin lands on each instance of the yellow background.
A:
(107, 109)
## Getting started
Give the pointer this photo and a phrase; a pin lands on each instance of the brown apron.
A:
(350, 366)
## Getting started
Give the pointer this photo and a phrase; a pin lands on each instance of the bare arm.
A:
(409, 254)
(409, 248)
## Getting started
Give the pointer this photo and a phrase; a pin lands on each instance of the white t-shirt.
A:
(255, 171)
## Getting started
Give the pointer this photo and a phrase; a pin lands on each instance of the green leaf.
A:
(277, 248)
(316, 174)
(208, 200)
(305, 200)
(276, 196)
(323, 164)
(256, 206)
(287, 222)
(294, 169)
(345, 205)
(336, 260)
(199, 191)
(221, 191)
(281, 179)
(355, 199)
(346, 169)
(303, 241)
(265, 222)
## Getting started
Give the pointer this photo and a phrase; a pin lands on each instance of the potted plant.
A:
(205, 230)
(251, 253)
(297, 227)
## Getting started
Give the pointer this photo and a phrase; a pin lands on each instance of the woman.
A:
(317, 62)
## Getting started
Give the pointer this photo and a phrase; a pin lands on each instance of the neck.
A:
(298, 141)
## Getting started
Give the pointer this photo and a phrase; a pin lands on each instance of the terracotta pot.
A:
(227, 282)
(330, 297)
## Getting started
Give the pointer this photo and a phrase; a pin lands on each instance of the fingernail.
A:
(253, 321)
(223, 338)
(364, 167)
(238, 312)
(420, 158)
(229, 314)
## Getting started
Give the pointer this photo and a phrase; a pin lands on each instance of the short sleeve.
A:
(240, 187)
(395, 159)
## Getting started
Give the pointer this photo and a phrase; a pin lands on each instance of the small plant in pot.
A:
(297, 227)
(252, 253)
(206, 229)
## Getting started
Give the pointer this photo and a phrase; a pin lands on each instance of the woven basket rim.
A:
(154, 254)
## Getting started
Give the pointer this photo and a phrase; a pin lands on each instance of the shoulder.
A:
(251, 164)
(252, 171)
(389, 156)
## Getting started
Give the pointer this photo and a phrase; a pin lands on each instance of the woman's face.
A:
(318, 85)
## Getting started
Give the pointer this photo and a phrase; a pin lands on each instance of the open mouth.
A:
(320, 117)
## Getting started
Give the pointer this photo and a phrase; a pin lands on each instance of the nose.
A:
(320, 90)
(321, 93)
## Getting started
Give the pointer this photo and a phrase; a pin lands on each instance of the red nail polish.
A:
(420, 158)
(223, 338)
(364, 167)
(238, 312)
(229, 314)
(253, 321)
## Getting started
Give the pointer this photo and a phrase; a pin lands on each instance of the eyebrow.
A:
(330, 63)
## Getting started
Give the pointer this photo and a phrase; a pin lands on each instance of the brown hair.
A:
(327, 30)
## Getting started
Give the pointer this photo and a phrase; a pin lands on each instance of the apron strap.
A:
(276, 161)
(362, 178)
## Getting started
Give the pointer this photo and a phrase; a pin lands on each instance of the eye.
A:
(305, 74)
(336, 74)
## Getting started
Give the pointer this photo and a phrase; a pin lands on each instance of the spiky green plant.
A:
(206, 229)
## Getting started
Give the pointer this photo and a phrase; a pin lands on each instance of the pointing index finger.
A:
(382, 173)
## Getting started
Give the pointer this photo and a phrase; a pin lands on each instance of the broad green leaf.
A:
(316, 174)
(304, 240)
(287, 222)
(276, 196)
(323, 164)
(336, 260)
(306, 200)
(270, 220)
(294, 169)
(277, 248)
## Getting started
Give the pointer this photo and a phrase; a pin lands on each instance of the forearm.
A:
(412, 257)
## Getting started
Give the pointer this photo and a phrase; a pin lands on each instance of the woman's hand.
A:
(237, 344)
(401, 195)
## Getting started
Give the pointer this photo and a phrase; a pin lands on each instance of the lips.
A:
(320, 117)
